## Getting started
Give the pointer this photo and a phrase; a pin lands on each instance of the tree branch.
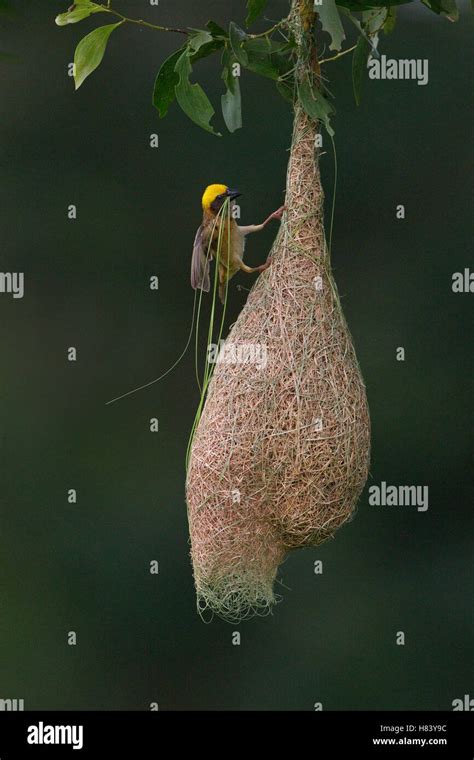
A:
(140, 22)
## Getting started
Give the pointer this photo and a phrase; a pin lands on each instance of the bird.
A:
(231, 258)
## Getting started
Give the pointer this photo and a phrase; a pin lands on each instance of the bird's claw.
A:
(278, 213)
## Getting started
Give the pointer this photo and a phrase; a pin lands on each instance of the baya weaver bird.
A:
(231, 255)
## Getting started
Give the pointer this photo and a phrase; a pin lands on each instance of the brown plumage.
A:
(231, 252)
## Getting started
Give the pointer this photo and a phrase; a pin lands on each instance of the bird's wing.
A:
(200, 262)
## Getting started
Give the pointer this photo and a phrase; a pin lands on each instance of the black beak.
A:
(233, 194)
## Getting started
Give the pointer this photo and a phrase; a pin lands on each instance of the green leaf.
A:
(80, 11)
(371, 23)
(165, 83)
(446, 8)
(373, 20)
(263, 66)
(315, 104)
(207, 49)
(196, 41)
(361, 27)
(390, 21)
(191, 97)
(286, 88)
(237, 37)
(231, 101)
(90, 51)
(283, 63)
(228, 61)
(348, 14)
(199, 46)
(216, 30)
(331, 23)
(359, 66)
(254, 9)
(264, 46)
(265, 58)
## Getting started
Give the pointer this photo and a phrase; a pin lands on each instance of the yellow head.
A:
(215, 195)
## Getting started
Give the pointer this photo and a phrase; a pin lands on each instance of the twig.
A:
(140, 22)
(268, 31)
(339, 55)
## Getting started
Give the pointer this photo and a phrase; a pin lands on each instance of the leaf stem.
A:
(339, 55)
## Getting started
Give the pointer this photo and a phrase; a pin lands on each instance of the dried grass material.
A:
(281, 453)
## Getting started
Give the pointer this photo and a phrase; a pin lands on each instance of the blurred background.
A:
(84, 567)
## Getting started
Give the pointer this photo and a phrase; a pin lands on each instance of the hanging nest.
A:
(281, 452)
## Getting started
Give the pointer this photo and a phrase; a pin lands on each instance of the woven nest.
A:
(281, 453)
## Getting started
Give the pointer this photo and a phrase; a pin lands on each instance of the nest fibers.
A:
(281, 452)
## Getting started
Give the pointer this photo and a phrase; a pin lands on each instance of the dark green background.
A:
(84, 567)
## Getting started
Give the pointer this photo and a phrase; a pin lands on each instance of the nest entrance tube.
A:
(281, 452)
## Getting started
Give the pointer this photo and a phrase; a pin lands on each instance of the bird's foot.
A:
(265, 266)
(278, 213)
